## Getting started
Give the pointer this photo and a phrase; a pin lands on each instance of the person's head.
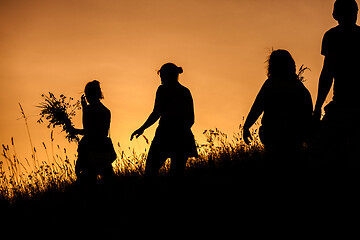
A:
(281, 65)
(93, 91)
(345, 12)
(169, 73)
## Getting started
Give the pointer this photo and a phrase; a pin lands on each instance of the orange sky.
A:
(222, 45)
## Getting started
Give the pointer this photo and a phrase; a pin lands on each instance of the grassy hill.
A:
(227, 189)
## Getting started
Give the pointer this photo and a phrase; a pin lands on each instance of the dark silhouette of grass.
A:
(226, 188)
(57, 171)
(49, 194)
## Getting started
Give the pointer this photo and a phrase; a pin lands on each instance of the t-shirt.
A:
(342, 46)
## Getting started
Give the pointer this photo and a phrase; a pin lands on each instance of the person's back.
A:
(287, 111)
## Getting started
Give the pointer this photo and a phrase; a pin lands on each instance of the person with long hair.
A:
(286, 106)
(95, 150)
(173, 138)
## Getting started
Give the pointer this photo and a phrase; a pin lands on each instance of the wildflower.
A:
(59, 112)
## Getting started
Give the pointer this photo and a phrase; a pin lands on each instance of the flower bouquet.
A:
(59, 112)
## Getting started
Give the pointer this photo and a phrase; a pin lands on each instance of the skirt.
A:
(173, 143)
(95, 154)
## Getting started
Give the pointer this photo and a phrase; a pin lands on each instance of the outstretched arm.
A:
(325, 82)
(153, 117)
(255, 112)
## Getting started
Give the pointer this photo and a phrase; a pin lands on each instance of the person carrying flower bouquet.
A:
(95, 150)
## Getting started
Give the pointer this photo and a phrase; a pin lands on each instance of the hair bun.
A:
(180, 70)
(170, 68)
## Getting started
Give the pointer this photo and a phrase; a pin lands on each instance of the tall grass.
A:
(20, 179)
(24, 178)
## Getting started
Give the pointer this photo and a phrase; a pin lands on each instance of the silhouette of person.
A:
(173, 138)
(286, 106)
(341, 49)
(95, 150)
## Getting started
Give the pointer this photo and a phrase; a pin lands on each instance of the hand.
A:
(73, 131)
(83, 101)
(70, 129)
(247, 136)
(137, 133)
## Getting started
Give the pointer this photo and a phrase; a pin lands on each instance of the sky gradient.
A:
(59, 46)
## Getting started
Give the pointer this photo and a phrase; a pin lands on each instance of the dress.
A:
(173, 137)
(95, 150)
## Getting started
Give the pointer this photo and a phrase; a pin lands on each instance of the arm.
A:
(79, 131)
(84, 110)
(255, 112)
(72, 129)
(153, 117)
(325, 82)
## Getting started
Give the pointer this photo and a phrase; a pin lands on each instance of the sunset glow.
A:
(222, 46)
